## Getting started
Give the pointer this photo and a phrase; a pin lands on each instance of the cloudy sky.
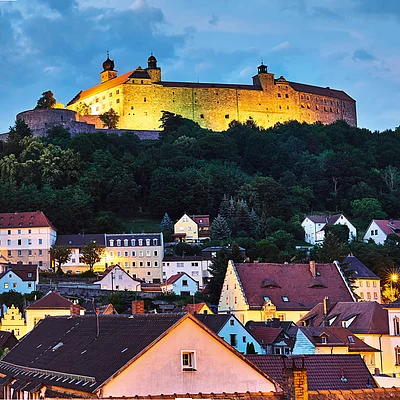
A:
(345, 44)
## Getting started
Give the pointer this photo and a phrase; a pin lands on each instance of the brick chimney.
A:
(313, 268)
(138, 307)
(294, 377)
(75, 309)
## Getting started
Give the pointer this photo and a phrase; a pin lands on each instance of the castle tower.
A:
(263, 78)
(108, 70)
(153, 70)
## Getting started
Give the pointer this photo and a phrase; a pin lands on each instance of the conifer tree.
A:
(242, 217)
(220, 229)
(224, 207)
(250, 348)
(166, 224)
(332, 249)
(232, 208)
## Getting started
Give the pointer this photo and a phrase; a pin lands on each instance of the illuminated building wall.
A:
(140, 96)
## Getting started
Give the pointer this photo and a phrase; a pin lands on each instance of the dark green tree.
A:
(250, 348)
(166, 224)
(92, 253)
(220, 229)
(60, 254)
(47, 100)
(109, 119)
(340, 231)
(331, 250)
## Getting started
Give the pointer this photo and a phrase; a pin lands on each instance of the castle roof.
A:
(302, 87)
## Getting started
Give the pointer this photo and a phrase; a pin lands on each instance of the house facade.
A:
(229, 328)
(379, 229)
(192, 229)
(367, 285)
(26, 237)
(260, 292)
(84, 362)
(314, 227)
(19, 278)
(180, 284)
(115, 278)
(13, 321)
(139, 254)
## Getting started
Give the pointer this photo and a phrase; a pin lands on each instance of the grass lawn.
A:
(142, 224)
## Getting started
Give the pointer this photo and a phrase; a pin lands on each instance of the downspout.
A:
(381, 354)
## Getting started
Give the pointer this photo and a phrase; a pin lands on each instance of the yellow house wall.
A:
(331, 350)
(147, 375)
(13, 321)
(33, 316)
(365, 289)
(189, 227)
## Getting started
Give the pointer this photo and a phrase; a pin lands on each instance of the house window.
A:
(118, 242)
(29, 242)
(140, 242)
(126, 253)
(226, 116)
(148, 253)
(155, 253)
(141, 253)
(397, 355)
(374, 283)
(19, 253)
(6, 286)
(279, 95)
(133, 253)
(14, 285)
(147, 242)
(360, 284)
(324, 340)
(29, 231)
(9, 231)
(111, 242)
(368, 295)
(148, 264)
(375, 296)
(119, 254)
(141, 264)
(126, 242)
(132, 242)
(232, 322)
(184, 282)
(9, 253)
(396, 326)
(126, 264)
(188, 359)
(351, 339)
(19, 231)
(19, 242)
(40, 241)
(244, 339)
(8, 242)
(367, 283)
(29, 285)
(285, 299)
(30, 253)
(134, 264)
(233, 339)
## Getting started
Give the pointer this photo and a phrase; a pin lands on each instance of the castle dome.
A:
(152, 62)
(108, 65)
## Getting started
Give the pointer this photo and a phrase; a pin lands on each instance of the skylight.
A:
(57, 346)
(351, 339)
(285, 299)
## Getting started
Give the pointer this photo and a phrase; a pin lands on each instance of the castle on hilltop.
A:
(140, 96)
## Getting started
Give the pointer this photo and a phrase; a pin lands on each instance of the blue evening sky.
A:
(59, 45)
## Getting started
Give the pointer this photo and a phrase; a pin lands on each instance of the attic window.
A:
(347, 323)
(285, 299)
(351, 339)
(324, 340)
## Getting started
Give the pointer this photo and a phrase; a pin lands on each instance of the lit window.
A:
(6, 286)
(396, 326)
(397, 355)
(188, 359)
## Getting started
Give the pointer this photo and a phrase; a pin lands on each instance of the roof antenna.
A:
(262, 61)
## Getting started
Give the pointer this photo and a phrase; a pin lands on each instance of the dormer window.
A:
(112, 242)
(347, 323)
(324, 340)
(147, 242)
(119, 242)
(155, 241)
(140, 242)
(132, 242)
(126, 242)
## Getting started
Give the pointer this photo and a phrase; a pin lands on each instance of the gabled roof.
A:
(266, 335)
(215, 322)
(324, 371)
(360, 270)
(52, 300)
(78, 241)
(31, 219)
(110, 270)
(139, 73)
(27, 272)
(61, 346)
(370, 316)
(201, 220)
(173, 278)
(335, 336)
(387, 226)
(101, 87)
(7, 340)
(321, 91)
(195, 308)
(293, 281)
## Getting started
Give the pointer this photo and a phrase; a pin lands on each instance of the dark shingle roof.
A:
(78, 241)
(324, 371)
(80, 353)
(327, 91)
(52, 300)
(360, 270)
(371, 317)
(139, 73)
(214, 321)
(7, 340)
(293, 282)
(26, 272)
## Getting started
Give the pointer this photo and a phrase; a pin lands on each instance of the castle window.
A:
(141, 81)
(330, 109)
(302, 97)
(279, 95)
(97, 100)
(110, 94)
(131, 107)
(286, 95)
(316, 107)
(316, 99)
(226, 116)
(331, 102)
(325, 109)
(201, 115)
(117, 92)
(280, 107)
(337, 111)
(308, 105)
(302, 105)
(173, 92)
(324, 101)
(62, 117)
(144, 100)
(117, 101)
(287, 107)
(308, 97)
(97, 108)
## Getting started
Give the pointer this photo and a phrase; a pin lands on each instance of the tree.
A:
(250, 348)
(60, 254)
(166, 224)
(340, 231)
(82, 108)
(92, 253)
(220, 229)
(47, 100)
(366, 209)
(109, 119)
(331, 250)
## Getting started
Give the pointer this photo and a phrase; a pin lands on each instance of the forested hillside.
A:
(278, 175)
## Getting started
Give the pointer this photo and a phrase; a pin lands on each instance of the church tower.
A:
(108, 70)
(263, 78)
(153, 70)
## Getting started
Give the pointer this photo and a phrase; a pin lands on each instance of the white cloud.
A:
(281, 46)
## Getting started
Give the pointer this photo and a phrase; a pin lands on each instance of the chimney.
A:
(313, 268)
(138, 307)
(327, 306)
(75, 309)
(294, 377)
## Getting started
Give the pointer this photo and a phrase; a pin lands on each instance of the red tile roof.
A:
(324, 371)
(370, 316)
(50, 301)
(388, 226)
(174, 278)
(265, 335)
(194, 308)
(23, 271)
(201, 220)
(293, 282)
(34, 219)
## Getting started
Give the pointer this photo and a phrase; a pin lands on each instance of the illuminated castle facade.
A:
(140, 96)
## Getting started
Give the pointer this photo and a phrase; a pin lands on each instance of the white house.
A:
(20, 278)
(180, 284)
(115, 278)
(26, 237)
(229, 328)
(314, 227)
(379, 229)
